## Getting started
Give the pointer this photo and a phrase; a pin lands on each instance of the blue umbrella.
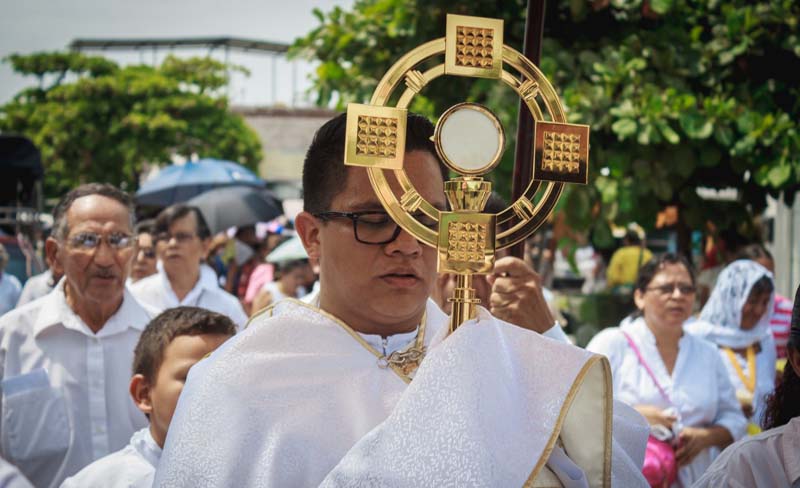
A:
(180, 182)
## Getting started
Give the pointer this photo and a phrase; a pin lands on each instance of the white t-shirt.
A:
(131, 467)
(699, 387)
(769, 459)
(157, 292)
(65, 399)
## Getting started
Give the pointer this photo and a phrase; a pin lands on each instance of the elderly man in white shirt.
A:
(182, 242)
(65, 359)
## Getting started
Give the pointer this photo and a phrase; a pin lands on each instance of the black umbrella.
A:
(236, 206)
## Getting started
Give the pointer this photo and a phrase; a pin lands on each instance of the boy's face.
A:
(160, 399)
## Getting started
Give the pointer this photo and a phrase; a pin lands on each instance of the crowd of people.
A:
(158, 354)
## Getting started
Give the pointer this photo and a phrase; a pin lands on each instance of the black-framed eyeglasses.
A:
(669, 289)
(373, 226)
(89, 241)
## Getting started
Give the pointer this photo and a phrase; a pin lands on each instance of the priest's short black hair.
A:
(324, 172)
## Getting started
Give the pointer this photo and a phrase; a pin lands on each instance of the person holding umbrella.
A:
(182, 238)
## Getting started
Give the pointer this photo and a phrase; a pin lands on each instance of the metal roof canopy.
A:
(209, 42)
(271, 49)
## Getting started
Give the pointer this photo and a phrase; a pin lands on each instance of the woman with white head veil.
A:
(736, 319)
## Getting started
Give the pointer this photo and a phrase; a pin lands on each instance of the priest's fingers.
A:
(523, 308)
(506, 284)
(510, 266)
(508, 312)
(501, 298)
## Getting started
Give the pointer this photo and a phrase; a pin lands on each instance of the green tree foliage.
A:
(679, 94)
(96, 121)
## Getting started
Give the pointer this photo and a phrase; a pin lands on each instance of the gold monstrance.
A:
(470, 140)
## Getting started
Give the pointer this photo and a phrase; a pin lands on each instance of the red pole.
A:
(523, 158)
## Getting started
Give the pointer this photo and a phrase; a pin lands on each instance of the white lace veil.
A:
(721, 317)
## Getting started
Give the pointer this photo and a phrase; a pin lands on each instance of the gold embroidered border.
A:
(268, 309)
(609, 420)
(562, 415)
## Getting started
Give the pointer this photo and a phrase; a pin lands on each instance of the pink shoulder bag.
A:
(660, 468)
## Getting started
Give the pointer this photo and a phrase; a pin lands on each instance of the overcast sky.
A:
(28, 26)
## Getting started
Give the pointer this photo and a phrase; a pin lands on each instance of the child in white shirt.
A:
(171, 344)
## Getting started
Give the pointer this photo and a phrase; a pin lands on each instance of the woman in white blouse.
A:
(736, 319)
(689, 392)
(772, 458)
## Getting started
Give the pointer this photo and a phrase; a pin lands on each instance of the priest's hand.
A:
(517, 296)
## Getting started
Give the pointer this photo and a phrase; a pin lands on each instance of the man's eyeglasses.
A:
(89, 241)
(374, 227)
(180, 237)
(669, 289)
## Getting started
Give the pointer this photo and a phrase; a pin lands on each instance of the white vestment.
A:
(297, 400)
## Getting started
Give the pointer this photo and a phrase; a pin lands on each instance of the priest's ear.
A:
(308, 228)
(140, 392)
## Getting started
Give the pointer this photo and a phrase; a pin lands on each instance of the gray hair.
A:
(60, 227)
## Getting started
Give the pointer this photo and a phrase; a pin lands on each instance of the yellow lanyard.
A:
(749, 382)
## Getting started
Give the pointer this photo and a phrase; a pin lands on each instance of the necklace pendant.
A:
(407, 361)
(409, 367)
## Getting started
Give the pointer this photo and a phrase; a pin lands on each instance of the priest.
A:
(322, 393)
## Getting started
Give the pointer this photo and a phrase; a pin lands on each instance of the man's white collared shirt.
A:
(65, 400)
(156, 291)
(771, 458)
(131, 467)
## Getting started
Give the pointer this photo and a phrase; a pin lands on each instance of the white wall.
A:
(785, 246)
